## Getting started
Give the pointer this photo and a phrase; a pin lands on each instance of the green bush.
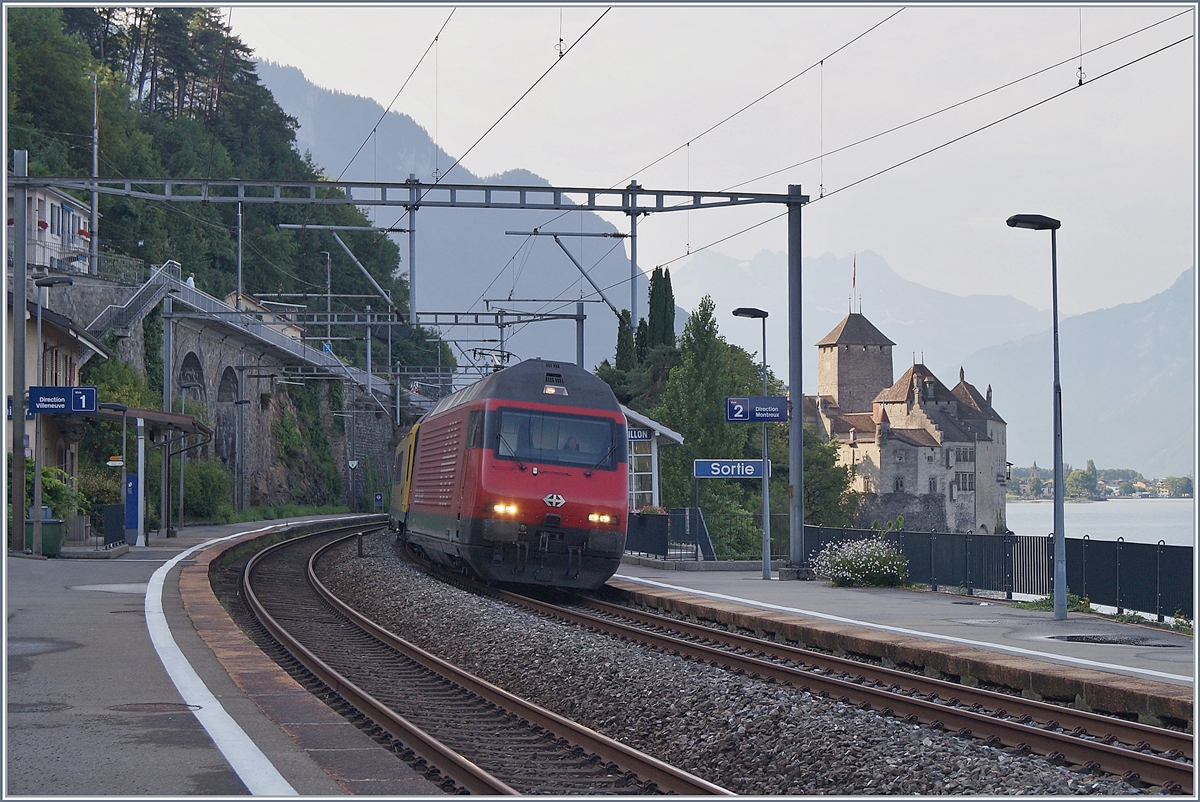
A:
(206, 489)
(873, 562)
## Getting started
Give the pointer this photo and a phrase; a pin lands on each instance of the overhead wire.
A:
(933, 149)
(953, 106)
(760, 98)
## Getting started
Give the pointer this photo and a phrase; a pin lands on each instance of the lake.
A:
(1142, 520)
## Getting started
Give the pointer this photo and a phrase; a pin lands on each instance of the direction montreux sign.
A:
(755, 409)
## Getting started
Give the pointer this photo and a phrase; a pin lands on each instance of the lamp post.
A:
(328, 301)
(183, 451)
(351, 462)
(749, 311)
(1039, 222)
(42, 285)
(124, 410)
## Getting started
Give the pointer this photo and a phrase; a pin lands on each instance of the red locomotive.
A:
(521, 477)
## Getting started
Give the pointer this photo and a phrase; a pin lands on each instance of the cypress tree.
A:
(668, 309)
(626, 351)
(642, 341)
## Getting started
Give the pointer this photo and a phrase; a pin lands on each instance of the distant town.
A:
(1096, 483)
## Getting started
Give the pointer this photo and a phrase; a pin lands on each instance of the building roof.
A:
(67, 325)
(653, 425)
(915, 437)
(902, 389)
(971, 404)
(855, 330)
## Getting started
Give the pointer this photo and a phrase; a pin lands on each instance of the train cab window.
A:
(546, 437)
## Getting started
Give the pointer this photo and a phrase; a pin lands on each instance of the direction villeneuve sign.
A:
(62, 400)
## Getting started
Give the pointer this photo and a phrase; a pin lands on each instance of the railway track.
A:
(1152, 755)
(484, 739)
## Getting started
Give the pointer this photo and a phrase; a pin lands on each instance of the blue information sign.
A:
(379, 499)
(131, 501)
(755, 409)
(62, 400)
(728, 468)
(636, 434)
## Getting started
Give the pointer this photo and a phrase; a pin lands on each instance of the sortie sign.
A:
(728, 468)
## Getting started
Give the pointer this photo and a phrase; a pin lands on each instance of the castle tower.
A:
(854, 364)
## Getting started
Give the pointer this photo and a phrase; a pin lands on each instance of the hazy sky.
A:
(1114, 159)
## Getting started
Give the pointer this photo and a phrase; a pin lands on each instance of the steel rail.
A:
(462, 771)
(666, 776)
(1077, 721)
(1022, 735)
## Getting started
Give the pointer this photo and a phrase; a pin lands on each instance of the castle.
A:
(935, 455)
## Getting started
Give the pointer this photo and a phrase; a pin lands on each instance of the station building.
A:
(934, 454)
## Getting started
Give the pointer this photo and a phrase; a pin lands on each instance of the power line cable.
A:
(759, 99)
(927, 152)
(417, 66)
(953, 105)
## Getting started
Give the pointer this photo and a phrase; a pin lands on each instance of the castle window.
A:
(899, 485)
(899, 456)
(964, 454)
(964, 480)
(933, 485)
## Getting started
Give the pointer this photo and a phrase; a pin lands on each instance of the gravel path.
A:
(746, 735)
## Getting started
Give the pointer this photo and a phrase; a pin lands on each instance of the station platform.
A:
(1088, 660)
(125, 677)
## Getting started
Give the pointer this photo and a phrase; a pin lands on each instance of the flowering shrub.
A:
(649, 509)
(862, 563)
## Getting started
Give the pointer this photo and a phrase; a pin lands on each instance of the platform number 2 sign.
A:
(737, 409)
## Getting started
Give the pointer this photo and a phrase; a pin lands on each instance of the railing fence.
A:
(1146, 577)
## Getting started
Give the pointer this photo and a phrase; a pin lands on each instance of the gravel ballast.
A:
(746, 735)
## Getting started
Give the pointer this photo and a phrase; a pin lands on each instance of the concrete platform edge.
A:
(1154, 703)
(351, 758)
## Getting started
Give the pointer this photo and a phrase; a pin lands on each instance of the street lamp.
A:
(351, 461)
(42, 284)
(124, 410)
(183, 386)
(1039, 222)
(749, 311)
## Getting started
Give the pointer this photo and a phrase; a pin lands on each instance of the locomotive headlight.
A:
(600, 518)
(505, 509)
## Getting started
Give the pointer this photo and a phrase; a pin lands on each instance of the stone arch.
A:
(228, 390)
(983, 530)
(191, 370)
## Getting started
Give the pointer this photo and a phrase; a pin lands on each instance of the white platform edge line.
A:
(1048, 656)
(253, 768)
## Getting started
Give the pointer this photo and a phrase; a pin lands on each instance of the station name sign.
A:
(636, 434)
(755, 409)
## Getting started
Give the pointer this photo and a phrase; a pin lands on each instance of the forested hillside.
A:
(179, 97)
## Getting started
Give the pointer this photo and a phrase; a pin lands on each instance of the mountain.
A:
(464, 255)
(1128, 385)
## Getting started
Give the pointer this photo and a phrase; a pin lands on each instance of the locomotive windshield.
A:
(550, 437)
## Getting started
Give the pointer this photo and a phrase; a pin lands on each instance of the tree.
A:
(1178, 486)
(1125, 488)
(626, 351)
(1035, 486)
(642, 341)
(1091, 468)
(828, 500)
(661, 324)
(1081, 483)
(693, 403)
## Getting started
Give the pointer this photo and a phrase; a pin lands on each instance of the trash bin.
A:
(114, 525)
(52, 534)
